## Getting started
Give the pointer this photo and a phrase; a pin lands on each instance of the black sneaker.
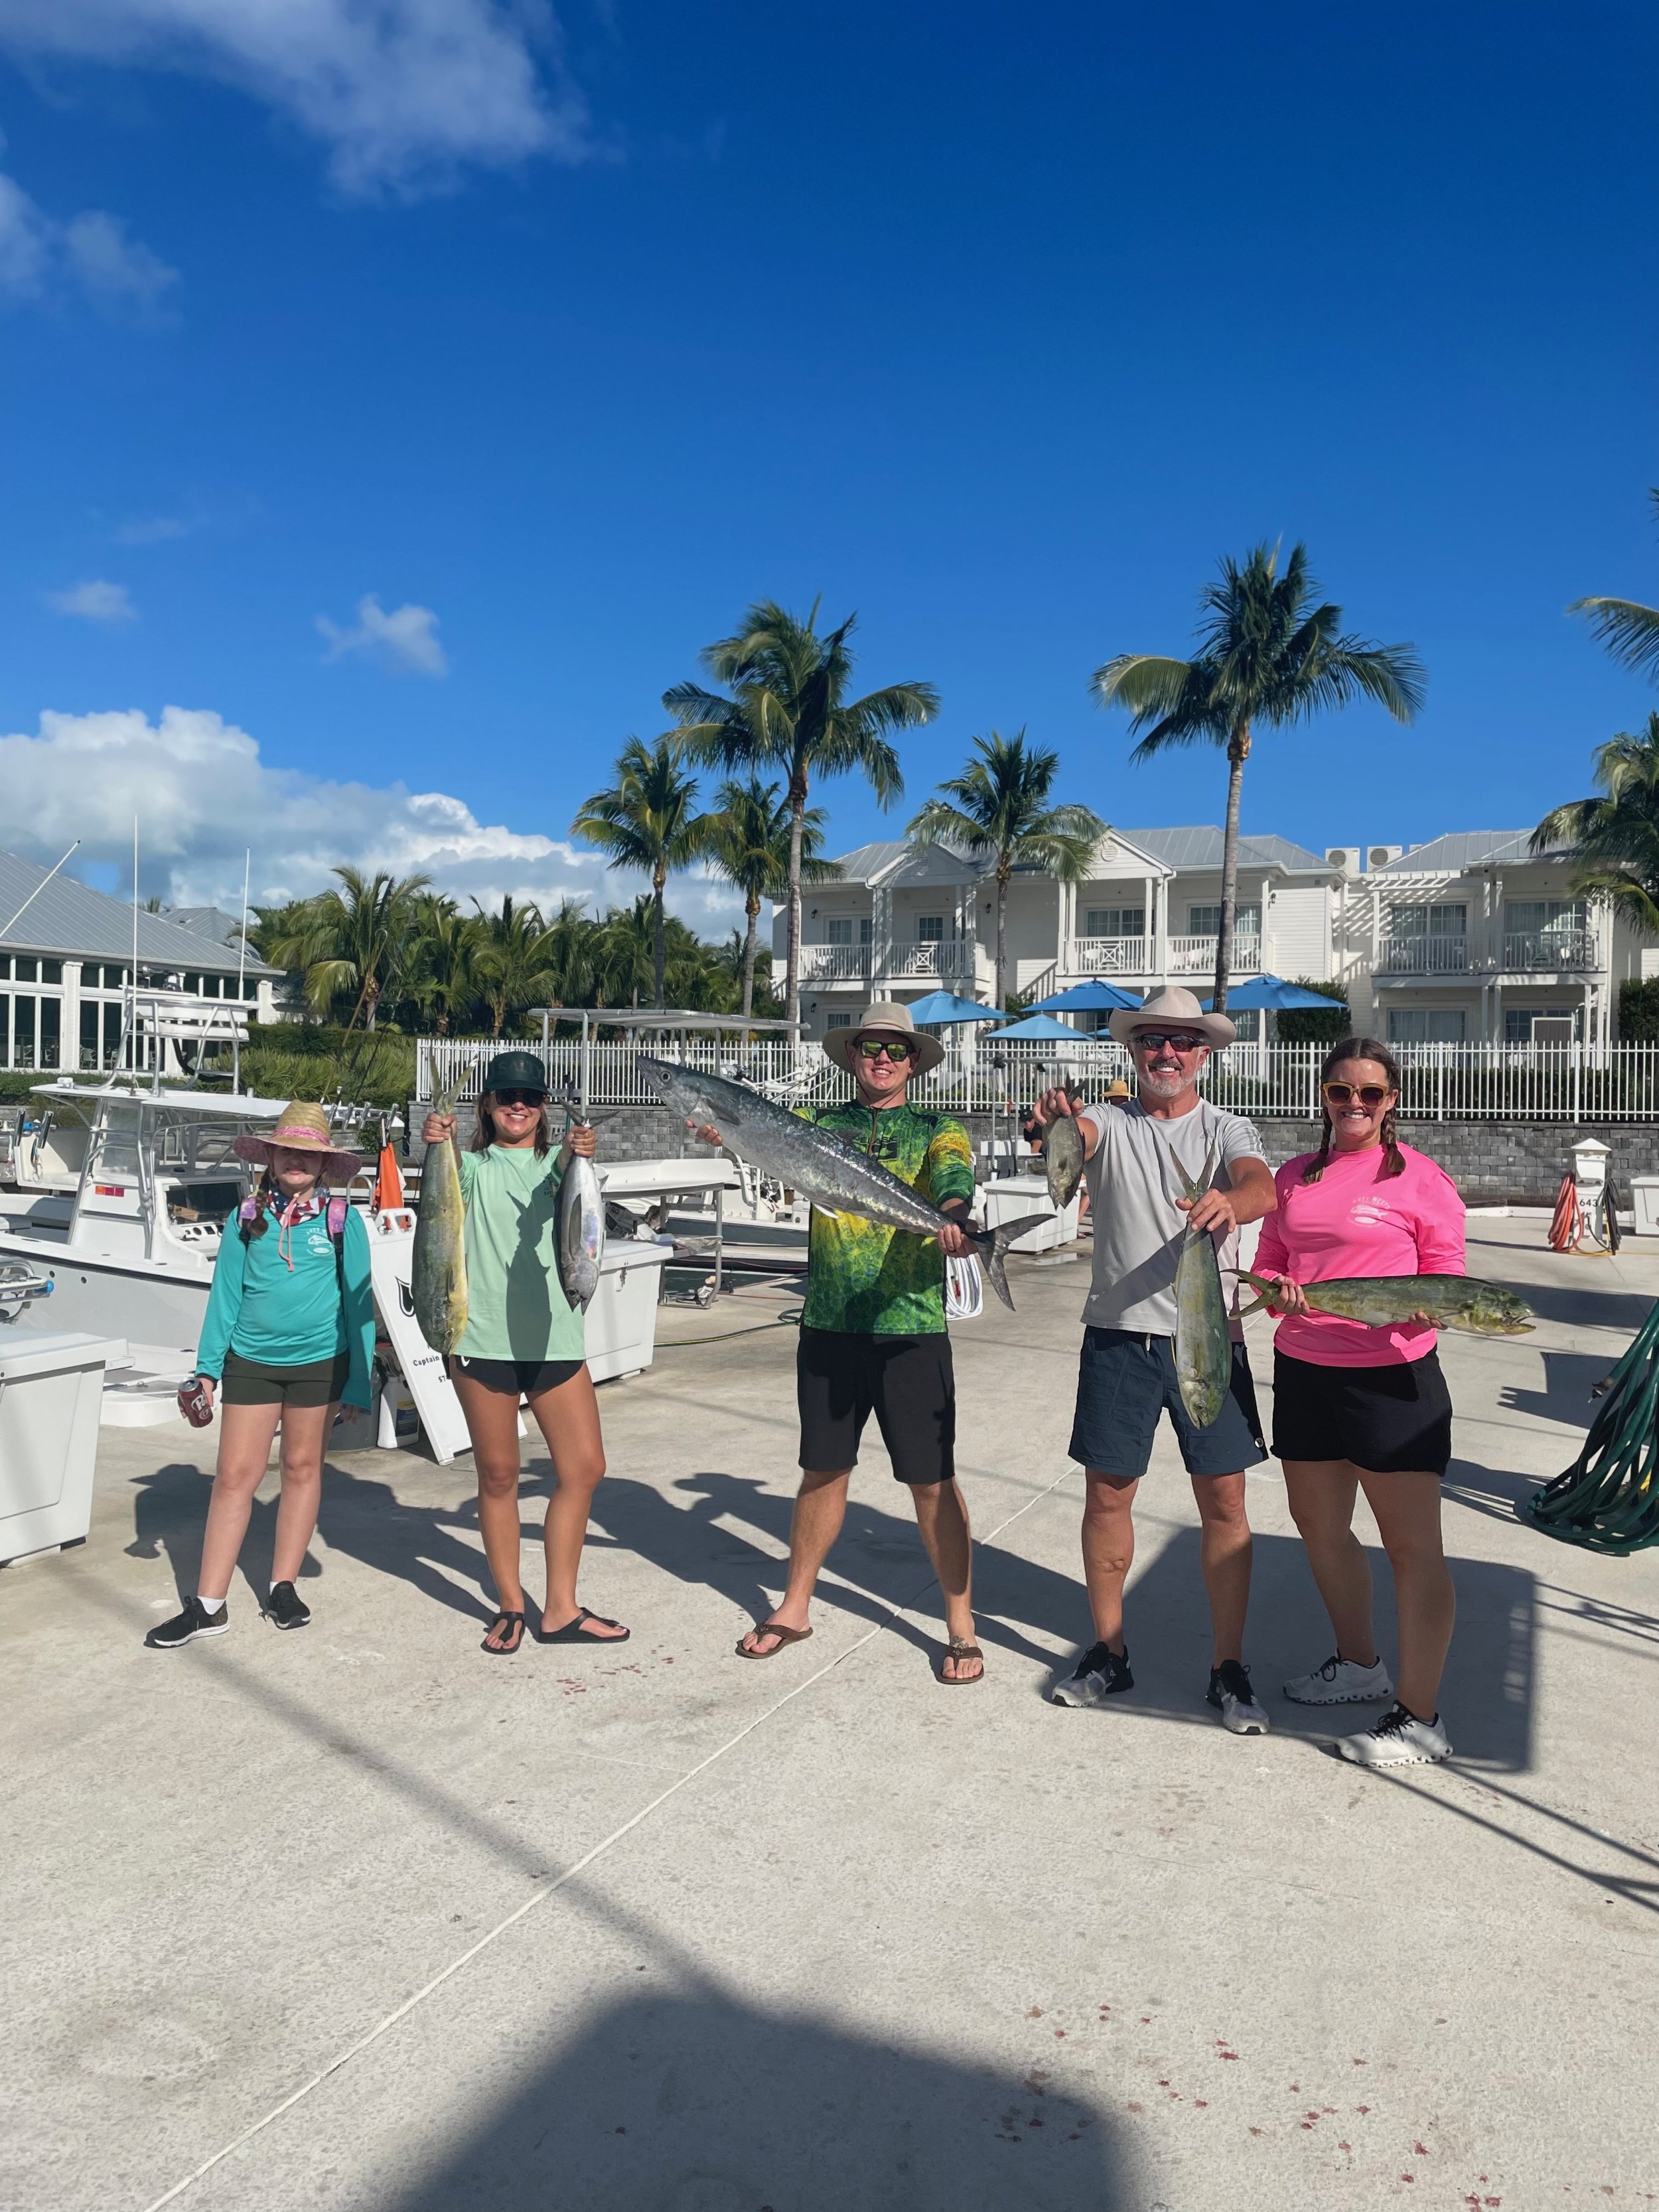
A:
(184, 1627)
(1230, 1693)
(284, 1608)
(1100, 1674)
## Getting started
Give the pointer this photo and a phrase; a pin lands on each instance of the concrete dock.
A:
(360, 1917)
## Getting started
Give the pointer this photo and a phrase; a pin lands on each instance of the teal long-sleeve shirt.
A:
(260, 1310)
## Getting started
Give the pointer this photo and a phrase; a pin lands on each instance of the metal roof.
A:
(1468, 849)
(71, 920)
(1199, 844)
(209, 921)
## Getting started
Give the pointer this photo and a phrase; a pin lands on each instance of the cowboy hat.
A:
(1117, 1088)
(1172, 1008)
(302, 1128)
(887, 1017)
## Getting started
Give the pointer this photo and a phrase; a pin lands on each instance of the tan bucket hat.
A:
(1171, 1007)
(886, 1018)
(302, 1128)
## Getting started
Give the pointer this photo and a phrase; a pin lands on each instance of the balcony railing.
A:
(931, 957)
(1423, 956)
(834, 964)
(1528, 950)
(1109, 955)
(1195, 955)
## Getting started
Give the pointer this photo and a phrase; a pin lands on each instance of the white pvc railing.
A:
(1447, 1082)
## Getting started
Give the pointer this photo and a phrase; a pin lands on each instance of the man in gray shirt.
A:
(1127, 1376)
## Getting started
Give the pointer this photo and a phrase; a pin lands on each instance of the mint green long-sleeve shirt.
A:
(262, 1311)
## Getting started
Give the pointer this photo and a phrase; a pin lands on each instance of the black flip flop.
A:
(503, 1651)
(573, 1633)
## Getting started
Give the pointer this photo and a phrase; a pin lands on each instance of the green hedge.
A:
(1639, 1012)
(1314, 1024)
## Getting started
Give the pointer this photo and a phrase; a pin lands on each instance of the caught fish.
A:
(1458, 1302)
(437, 1269)
(1203, 1345)
(1062, 1159)
(834, 1174)
(578, 1229)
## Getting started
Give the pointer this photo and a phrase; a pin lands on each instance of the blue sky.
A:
(557, 343)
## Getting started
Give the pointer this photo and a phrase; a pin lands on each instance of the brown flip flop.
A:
(958, 1648)
(785, 1635)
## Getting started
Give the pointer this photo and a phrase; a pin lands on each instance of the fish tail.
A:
(993, 1245)
(1254, 1306)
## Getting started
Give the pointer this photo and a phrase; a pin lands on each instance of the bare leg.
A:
(820, 1508)
(567, 1416)
(492, 1423)
(942, 1517)
(245, 1438)
(1109, 1549)
(305, 1439)
(1321, 1495)
(1407, 1509)
(1224, 1550)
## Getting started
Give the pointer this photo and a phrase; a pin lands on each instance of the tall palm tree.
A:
(789, 709)
(748, 844)
(1616, 837)
(443, 979)
(625, 952)
(647, 820)
(1629, 631)
(515, 961)
(356, 938)
(998, 810)
(1269, 651)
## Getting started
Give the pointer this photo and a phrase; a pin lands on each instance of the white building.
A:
(66, 962)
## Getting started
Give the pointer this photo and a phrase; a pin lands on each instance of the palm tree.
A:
(356, 939)
(789, 709)
(646, 821)
(748, 844)
(1629, 631)
(998, 810)
(1616, 837)
(443, 980)
(1268, 651)
(625, 953)
(515, 961)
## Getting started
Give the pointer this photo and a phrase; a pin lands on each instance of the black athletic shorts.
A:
(316, 1383)
(519, 1378)
(1390, 1420)
(1126, 1380)
(906, 1381)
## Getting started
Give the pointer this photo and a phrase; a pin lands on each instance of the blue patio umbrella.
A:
(939, 1008)
(1274, 992)
(1096, 998)
(1044, 1026)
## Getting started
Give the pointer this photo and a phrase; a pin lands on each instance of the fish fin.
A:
(1254, 1306)
(994, 1244)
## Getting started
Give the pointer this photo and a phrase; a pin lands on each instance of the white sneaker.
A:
(1398, 1738)
(1230, 1693)
(1341, 1682)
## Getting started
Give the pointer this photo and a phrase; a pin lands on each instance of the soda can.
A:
(193, 1402)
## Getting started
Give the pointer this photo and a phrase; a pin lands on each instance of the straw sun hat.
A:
(302, 1128)
(887, 1017)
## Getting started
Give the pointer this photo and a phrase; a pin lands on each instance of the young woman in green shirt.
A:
(523, 1339)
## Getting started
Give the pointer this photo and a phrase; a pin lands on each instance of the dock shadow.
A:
(695, 2103)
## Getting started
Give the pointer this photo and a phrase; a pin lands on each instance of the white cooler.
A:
(620, 1333)
(1644, 1196)
(51, 1391)
(1011, 1196)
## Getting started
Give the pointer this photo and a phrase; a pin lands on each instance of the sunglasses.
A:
(1177, 1040)
(1368, 1094)
(882, 1049)
(532, 1098)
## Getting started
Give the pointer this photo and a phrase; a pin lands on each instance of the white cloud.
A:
(200, 790)
(91, 251)
(407, 638)
(402, 92)
(95, 600)
(157, 529)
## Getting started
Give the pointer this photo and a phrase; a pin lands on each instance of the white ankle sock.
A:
(209, 1604)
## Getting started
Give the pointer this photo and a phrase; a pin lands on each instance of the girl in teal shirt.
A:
(288, 1336)
(524, 1339)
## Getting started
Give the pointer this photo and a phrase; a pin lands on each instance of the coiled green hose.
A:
(1608, 1498)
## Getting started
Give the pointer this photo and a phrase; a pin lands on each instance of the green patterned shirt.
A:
(865, 1278)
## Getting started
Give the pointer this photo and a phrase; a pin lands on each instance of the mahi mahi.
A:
(578, 1228)
(834, 1175)
(437, 1279)
(1203, 1345)
(1459, 1302)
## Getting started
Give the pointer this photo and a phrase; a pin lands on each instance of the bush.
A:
(1639, 1012)
(1315, 1025)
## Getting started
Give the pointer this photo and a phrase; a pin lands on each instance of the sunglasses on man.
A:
(882, 1049)
(1368, 1094)
(1177, 1040)
(519, 1098)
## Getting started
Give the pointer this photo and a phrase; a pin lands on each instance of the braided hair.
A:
(1359, 1048)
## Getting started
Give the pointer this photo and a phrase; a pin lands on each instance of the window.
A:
(1248, 1022)
(838, 1022)
(930, 928)
(1114, 922)
(1544, 917)
(1428, 921)
(866, 929)
(51, 1010)
(52, 971)
(838, 929)
(1206, 920)
(22, 1032)
(89, 1017)
(1426, 1025)
(27, 967)
(1522, 1024)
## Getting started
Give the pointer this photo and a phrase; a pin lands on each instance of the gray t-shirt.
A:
(1132, 1190)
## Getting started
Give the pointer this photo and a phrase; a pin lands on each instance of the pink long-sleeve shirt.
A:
(1350, 1223)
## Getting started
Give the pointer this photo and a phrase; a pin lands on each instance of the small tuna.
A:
(578, 1229)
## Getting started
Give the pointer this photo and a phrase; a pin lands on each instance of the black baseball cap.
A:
(515, 1071)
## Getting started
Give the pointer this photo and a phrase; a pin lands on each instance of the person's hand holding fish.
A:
(1213, 1211)
(1055, 1105)
(439, 1128)
(581, 1138)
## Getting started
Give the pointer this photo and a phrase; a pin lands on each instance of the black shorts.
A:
(906, 1381)
(1390, 1420)
(250, 1382)
(1127, 1379)
(519, 1378)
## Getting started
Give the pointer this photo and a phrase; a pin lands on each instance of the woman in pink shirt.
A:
(1357, 1407)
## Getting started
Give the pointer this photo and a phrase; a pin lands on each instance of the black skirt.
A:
(1390, 1420)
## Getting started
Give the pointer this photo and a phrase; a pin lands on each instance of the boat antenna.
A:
(32, 895)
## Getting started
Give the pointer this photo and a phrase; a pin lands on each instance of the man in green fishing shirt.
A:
(873, 1339)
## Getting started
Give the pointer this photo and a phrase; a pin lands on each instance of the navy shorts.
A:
(1127, 1379)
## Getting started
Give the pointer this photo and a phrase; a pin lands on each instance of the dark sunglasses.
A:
(1177, 1040)
(1368, 1094)
(519, 1098)
(882, 1049)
